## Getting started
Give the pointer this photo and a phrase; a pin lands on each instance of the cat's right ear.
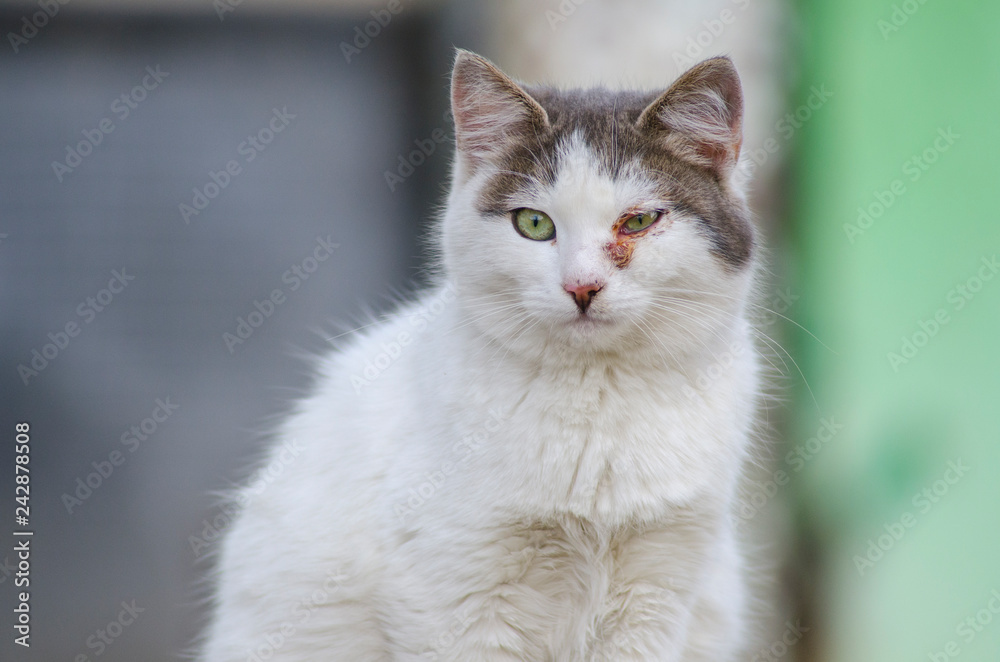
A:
(701, 116)
(490, 109)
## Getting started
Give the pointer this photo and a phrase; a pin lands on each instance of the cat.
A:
(523, 464)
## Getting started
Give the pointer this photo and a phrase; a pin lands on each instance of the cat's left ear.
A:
(489, 108)
(701, 116)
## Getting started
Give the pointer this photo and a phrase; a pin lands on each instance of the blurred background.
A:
(196, 193)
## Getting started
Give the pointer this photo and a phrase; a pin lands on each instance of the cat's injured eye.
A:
(533, 224)
(639, 222)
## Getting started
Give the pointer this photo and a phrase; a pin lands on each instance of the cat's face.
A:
(598, 220)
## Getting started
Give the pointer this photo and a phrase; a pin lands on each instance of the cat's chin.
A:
(589, 331)
(588, 322)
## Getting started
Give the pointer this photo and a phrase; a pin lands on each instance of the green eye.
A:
(534, 224)
(638, 222)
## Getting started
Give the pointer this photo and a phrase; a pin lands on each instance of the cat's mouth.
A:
(587, 331)
(589, 320)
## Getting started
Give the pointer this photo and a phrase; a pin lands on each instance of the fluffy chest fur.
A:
(555, 507)
(610, 439)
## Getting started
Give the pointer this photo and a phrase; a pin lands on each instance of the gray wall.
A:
(161, 336)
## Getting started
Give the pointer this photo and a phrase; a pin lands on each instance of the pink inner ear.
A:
(488, 107)
(483, 123)
(722, 155)
(704, 110)
(479, 125)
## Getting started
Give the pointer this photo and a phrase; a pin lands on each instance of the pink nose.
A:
(583, 294)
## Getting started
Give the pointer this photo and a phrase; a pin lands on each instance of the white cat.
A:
(522, 465)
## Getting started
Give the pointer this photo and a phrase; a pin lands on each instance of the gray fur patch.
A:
(606, 120)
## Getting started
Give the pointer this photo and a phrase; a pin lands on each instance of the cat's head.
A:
(598, 220)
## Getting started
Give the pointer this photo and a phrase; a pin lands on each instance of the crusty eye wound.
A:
(639, 222)
(627, 230)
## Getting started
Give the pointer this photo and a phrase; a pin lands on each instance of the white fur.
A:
(519, 483)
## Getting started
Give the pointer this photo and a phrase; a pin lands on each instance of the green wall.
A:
(912, 135)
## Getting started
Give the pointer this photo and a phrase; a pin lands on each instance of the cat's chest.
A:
(601, 443)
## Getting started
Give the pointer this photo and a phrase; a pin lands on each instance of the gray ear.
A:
(701, 116)
(489, 108)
